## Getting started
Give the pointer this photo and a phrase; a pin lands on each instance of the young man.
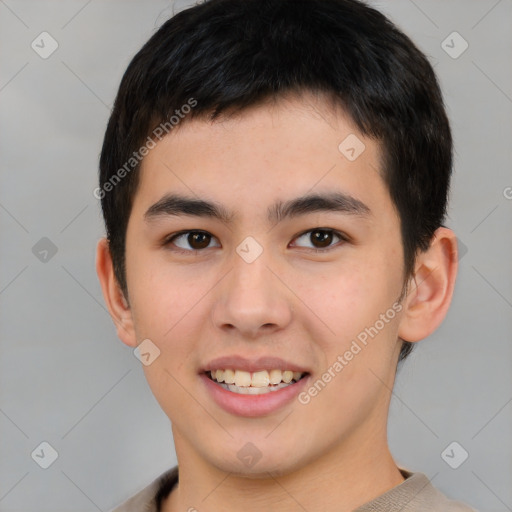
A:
(274, 179)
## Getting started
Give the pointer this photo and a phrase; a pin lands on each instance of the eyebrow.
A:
(176, 205)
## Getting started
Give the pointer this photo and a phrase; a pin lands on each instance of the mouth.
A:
(254, 383)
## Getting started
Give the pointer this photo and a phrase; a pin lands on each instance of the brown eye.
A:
(199, 240)
(319, 239)
(193, 240)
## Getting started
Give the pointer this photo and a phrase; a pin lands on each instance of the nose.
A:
(251, 300)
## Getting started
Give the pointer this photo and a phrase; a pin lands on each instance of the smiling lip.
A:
(252, 365)
(252, 406)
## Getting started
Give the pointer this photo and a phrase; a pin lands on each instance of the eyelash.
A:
(344, 238)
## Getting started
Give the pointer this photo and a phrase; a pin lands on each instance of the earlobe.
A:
(115, 300)
(431, 288)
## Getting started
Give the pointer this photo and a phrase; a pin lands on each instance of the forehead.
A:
(282, 148)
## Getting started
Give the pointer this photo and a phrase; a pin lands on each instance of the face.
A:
(257, 246)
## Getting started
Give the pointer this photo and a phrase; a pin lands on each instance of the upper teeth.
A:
(254, 379)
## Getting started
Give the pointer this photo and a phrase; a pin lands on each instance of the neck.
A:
(350, 474)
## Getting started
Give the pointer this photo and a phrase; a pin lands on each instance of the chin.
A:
(251, 462)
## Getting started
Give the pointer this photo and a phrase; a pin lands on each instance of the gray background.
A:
(66, 379)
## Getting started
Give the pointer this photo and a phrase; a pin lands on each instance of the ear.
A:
(430, 290)
(115, 300)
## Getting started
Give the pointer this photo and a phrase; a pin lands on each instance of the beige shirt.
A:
(414, 494)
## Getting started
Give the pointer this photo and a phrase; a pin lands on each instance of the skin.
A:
(293, 302)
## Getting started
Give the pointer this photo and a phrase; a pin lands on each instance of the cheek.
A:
(348, 304)
(169, 310)
(357, 359)
(163, 299)
(342, 297)
(172, 310)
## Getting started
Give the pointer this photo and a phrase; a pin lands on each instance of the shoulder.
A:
(148, 499)
(415, 494)
(425, 496)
